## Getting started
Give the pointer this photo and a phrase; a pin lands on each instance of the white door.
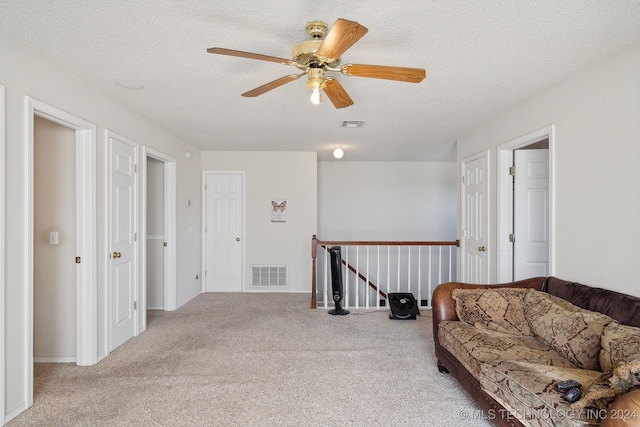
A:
(531, 214)
(223, 232)
(123, 271)
(475, 217)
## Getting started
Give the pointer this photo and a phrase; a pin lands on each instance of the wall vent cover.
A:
(352, 123)
(269, 276)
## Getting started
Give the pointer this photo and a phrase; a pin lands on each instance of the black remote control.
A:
(567, 385)
(572, 395)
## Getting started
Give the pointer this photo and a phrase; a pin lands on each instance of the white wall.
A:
(597, 148)
(387, 200)
(287, 175)
(23, 73)
(54, 280)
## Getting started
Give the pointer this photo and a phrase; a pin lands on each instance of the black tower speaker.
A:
(336, 280)
(403, 306)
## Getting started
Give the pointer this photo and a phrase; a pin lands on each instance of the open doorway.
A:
(54, 243)
(84, 259)
(159, 233)
(155, 235)
(2, 240)
(525, 206)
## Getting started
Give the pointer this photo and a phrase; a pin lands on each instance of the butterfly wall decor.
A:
(278, 210)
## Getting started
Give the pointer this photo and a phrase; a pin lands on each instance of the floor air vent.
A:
(269, 276)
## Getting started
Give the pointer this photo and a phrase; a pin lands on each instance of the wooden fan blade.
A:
(241, 54)
(341, 37)
(412, 75)
(337, 94)
(272, 85)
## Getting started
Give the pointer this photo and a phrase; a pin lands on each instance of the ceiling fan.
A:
(320, 55)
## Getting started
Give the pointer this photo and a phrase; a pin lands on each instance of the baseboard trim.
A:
(11, 415)
(54, 360)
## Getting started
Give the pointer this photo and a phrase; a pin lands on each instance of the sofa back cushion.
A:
(619, 343)
(573, 332)
(500, 309)
(621, 307)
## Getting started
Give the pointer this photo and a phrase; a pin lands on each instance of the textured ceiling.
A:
(482, 58)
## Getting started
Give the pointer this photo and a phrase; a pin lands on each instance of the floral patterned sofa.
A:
(509, 344)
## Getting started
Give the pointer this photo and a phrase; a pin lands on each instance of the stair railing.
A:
(417, 267)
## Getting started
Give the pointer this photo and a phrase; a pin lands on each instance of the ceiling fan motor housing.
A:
(305, 53)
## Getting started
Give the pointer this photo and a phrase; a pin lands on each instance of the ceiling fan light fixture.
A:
(316, 97)
(315, 83)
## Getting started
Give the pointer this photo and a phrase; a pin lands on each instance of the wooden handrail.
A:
(385, 243)
(326, 243)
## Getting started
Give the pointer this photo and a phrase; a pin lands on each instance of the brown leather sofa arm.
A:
(444, 306)
(624, 411)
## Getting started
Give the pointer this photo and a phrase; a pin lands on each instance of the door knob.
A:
(116, 255)
(482, 248)
(237, 239)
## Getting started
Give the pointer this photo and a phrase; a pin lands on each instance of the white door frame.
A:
(170, 289)
(243, 247)
(2, 238)
(505, 199)
(487, 225)
(86, 271)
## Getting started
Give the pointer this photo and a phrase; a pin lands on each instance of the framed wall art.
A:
(278, 210)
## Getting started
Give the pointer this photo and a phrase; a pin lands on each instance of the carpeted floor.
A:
(258, 360)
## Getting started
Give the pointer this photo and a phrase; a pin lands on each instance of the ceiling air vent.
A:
(269, 276)
(352, 123)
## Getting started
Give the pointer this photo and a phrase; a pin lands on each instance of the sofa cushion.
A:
(472, 346)
(619, 343)
(624, 376)
(573, 332)
(526, 391)
(621, 307)
(499, 309)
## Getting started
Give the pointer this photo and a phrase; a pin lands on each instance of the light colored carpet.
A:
(258, 360)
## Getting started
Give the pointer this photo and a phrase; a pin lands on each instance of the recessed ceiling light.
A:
(129, 84)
